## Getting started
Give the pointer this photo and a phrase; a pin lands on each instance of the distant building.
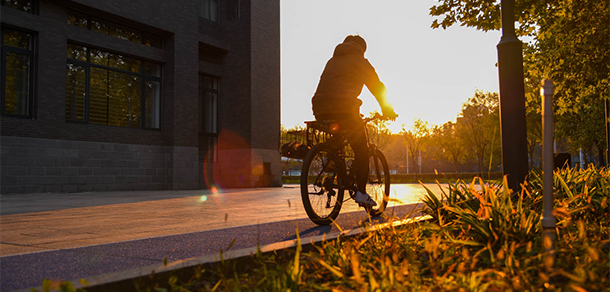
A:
(109, 95)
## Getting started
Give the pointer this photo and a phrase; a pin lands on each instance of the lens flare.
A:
(203, 198)
(227, 164)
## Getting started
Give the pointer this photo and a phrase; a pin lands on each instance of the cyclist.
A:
(336, 98)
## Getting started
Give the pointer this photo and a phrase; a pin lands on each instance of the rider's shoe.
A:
(364, 199)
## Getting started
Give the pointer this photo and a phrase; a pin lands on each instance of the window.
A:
(234, 9)
(208, 117)
(112, 89)
(210, 54)
(208, 9)
(23, 5)
(18, 72)
(113, 29)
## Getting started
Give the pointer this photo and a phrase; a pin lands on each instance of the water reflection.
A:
(413, 193)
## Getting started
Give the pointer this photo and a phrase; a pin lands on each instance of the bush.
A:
(482, 237)
(503, 231)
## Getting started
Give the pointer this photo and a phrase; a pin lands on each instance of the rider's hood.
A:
(348, 48)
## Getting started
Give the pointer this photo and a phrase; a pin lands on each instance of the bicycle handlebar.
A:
(376, 116)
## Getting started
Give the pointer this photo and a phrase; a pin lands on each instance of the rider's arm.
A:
(377, 88)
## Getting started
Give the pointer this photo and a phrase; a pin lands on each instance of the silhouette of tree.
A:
(568, 43)
(417, 139)
(451, 144)
(479, 127)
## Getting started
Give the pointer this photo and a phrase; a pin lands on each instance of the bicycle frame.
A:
(328, 133)
(327, 173)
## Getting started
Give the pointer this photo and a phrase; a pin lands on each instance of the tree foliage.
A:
(417, 138)
(452, 145)
(567, 42)
(479, 126)
(378, 132)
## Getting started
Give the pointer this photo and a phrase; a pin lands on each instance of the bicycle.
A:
(327, 173)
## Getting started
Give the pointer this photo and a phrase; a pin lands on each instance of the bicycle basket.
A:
(295, 149)
(294, 144)
(324, 131)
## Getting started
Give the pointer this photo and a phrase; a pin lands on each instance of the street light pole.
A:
(407, 159)
(512, 100)
(607, 132)
(548, 220)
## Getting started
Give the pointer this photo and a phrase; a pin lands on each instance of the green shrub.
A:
(482, 237)
(503, 231)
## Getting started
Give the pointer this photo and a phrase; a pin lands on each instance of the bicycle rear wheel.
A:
(321, 185)
(378, 184)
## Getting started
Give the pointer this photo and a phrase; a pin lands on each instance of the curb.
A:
(99, 282)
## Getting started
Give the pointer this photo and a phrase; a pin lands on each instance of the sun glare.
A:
(428, 73)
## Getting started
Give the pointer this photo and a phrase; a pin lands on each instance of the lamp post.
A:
(548, 220)
(512, 100)
(407, 158)
(607, 132)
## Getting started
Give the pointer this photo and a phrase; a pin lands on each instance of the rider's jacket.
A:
(342, 81)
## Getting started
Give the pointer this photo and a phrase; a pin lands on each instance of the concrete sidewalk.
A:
(41, 222)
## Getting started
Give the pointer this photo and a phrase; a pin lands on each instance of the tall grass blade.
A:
(330, 268)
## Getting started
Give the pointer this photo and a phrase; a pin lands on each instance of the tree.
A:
(533, 120)
(416, 138)
(378, 132)
(572, 48)
(479, 126)
(394, 152)
(569, 45)
(582, 130)
(451, 144)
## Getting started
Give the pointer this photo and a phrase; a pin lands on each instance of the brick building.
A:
(108, 95)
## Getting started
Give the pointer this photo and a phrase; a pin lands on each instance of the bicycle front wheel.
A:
(321, 185)
(378, 184)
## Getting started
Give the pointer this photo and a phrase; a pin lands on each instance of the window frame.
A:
(215, 12)
(33, 10)
(89, 19)
(202, 133)
(234, 8)
(88, 64)
(32, 54)
(215, 92)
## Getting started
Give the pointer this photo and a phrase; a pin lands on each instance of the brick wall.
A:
(34, 165)
(49, 105)
(49, 154)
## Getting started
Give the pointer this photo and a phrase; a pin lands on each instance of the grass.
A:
(482, 237)
(503, 231)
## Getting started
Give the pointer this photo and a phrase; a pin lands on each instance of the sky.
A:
(429, 73)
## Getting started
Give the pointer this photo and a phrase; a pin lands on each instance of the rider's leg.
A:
(356, 136)
(357, 139)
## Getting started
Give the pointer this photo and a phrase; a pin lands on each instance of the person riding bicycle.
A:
(336, 98)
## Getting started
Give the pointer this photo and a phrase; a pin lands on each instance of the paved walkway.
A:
(41, 222)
